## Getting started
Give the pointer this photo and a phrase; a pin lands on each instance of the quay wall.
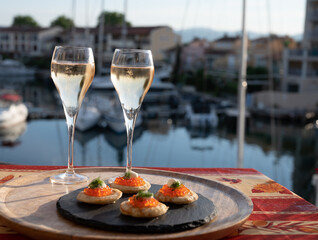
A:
(283, 100)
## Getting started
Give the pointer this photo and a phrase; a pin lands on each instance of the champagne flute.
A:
(72, 71)
(132, 73)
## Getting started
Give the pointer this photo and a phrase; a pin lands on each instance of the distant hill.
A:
(298, 37)
(190, 33)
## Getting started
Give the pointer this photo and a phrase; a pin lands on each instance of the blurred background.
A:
(189, 116)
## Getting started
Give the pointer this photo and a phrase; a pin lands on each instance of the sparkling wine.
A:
(72, 81)
(131, 84)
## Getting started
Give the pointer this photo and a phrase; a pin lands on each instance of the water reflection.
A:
(199, 139)
(119, 142)
(10, 137)
(83, 138)
(287, 140)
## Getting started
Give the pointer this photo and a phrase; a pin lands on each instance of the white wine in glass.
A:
(132, 73)
(72, 71)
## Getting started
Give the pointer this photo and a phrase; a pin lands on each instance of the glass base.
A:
(67, 178)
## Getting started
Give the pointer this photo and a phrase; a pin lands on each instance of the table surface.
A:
(278, 213)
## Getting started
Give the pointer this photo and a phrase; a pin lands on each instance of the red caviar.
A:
(174, 192)
(98, 192)
(133, 182)
(140, 202)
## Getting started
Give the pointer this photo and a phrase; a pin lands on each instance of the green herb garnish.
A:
(144, 194)
(127, 175)
(97, 183)
(176, 184)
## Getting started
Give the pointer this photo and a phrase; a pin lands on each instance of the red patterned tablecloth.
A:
(278, 213)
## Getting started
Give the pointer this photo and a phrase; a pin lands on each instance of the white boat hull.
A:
(204, 120)
(87, 118)
(13, 115)
(13, 68)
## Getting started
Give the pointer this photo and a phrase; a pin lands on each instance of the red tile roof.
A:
(22, 29)
(226, 38)
(217, 51)
(118, 30)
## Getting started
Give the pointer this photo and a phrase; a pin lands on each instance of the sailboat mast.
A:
(73, 18)
(87, 23)
(101, 39)
(124, 25)
(242, 94)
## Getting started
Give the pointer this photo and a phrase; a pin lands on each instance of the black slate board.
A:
(108, 217)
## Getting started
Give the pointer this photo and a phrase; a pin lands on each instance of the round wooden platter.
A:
(28, 205)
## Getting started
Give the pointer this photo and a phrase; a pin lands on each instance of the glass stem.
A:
(130, 121)
(70, 121)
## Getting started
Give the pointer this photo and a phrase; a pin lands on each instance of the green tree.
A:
(63, 22)
(113, 19)
(24, 21)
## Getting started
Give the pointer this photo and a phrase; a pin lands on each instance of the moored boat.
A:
(12, 111)
(201, 119)
(87, 118)
(13, 68)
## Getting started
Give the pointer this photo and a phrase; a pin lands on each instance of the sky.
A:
(284, 16)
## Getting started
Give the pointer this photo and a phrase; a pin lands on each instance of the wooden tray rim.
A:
(218, 232)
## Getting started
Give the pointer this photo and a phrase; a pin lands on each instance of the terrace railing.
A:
(294, 71)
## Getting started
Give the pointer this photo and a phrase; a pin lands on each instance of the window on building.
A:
(293, 88)
(295, 68)
(4, 37)
(210, 61)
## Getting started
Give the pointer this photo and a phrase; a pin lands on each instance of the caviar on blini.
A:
(176, 192)
(143, 199)
(179, 191)
(143, 205)
(133, 182)
(98, 188)
(97, 192)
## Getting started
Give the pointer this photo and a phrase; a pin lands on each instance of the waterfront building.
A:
(227, 43)
(18, 42)
(299, 84)
(158, 39)
(192, 55)
(81, 37)
(220, 61)
(260, 49)
(301, 65)
(223, 56)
